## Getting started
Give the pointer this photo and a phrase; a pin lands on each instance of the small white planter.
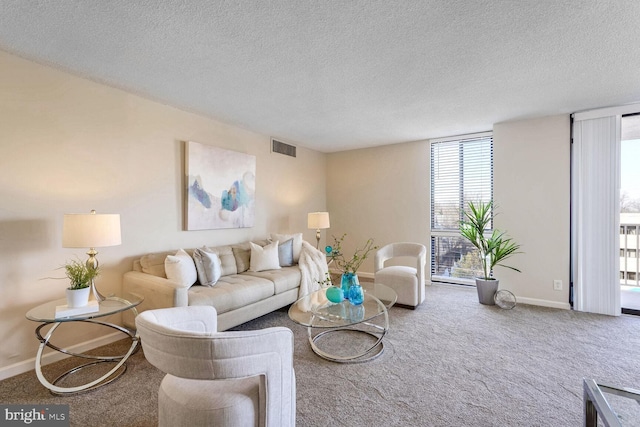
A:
(78, 297)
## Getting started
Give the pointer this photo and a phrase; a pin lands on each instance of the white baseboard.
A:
(54, 356)
(366, 275)
(519, 300)
(360, 273)
(544, 303)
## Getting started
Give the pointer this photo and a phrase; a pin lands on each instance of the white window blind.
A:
(595, 207)
(461, 171)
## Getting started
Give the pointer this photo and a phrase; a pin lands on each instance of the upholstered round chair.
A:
(407, 281)
(241, 378)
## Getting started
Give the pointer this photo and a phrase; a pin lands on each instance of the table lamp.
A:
(91, 231)
(318, 220)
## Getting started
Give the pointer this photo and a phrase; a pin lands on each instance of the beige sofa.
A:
(241, 293)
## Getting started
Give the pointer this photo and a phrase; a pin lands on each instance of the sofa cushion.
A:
(242, 256)
(264, 258)
(232, 292)
(284, 279)
(181, 269)
(208, 267)
(227, 260)
(154, 263)
(261, 242)
(297, 243)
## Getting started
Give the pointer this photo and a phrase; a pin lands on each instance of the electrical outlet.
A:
(557, 285)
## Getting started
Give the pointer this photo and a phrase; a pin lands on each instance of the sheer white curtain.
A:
(595, 210)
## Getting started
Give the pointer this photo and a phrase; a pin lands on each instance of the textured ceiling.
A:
(335, 75)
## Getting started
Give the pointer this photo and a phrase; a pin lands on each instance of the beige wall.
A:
(381, 193)
(532, 193)
(69, 145)
(384, 193)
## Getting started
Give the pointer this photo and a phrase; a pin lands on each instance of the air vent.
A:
(282, 148)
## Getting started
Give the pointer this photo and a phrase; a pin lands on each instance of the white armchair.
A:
(241, 378)
(407, 281)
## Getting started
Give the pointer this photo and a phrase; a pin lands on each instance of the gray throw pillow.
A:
(285, 253)
(297, 242)
(208, 267)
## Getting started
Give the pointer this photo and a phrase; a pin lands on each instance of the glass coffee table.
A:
(344, 332)
(46, 315)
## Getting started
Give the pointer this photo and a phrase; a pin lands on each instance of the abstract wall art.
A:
(220, 188)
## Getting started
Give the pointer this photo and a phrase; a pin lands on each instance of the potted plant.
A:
(493, 249)
(80, 276)
(350, 266)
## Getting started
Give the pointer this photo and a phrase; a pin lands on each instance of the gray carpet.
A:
(451, 362)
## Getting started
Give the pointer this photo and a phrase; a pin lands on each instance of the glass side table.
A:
(45, 314)
(616, 406)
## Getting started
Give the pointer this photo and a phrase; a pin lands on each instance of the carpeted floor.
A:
(451, 362)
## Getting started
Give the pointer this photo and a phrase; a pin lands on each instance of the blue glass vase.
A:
(348, 280)
(356, 294)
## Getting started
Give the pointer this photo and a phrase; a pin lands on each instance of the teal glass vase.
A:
(356, 294)
(348, 280)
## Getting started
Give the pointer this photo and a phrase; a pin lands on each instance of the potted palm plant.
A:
(493, 249)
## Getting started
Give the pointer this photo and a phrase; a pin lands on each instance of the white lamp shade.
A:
(318, 220)
(91, 230)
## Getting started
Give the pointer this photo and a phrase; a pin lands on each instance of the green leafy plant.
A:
(351, 265)
(79, 274)
(494, 249)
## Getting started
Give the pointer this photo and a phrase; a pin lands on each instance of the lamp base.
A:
(92, 262)
(317, 238)
(96, 294)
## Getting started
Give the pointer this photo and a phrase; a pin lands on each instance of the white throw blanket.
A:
(313, 269)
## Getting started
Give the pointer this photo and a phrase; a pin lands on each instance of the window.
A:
(461, 171)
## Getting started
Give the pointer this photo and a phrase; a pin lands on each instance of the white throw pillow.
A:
(181, 269)
(208, 267)
(297, 243)
(264, 258)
